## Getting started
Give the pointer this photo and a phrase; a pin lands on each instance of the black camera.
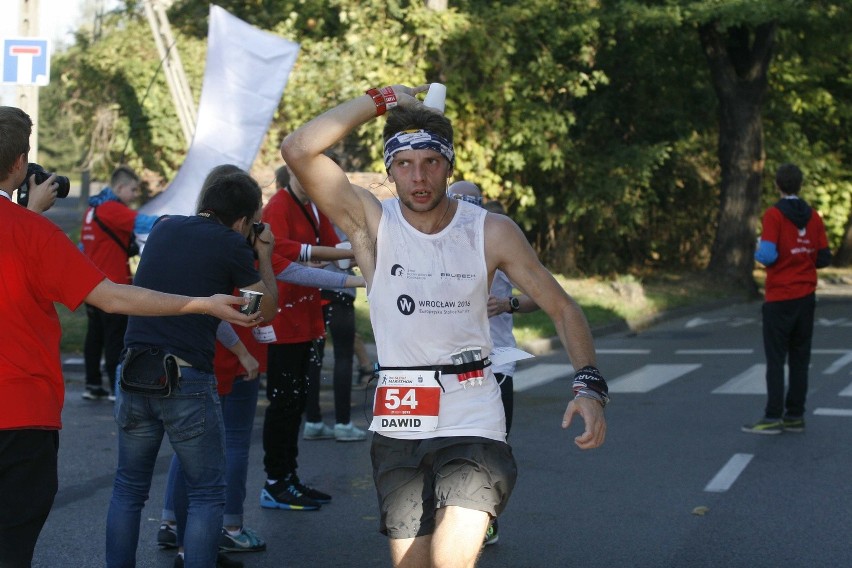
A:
(258, 228)
(40, 175)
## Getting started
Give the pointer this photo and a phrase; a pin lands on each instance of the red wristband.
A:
(379, 100)
(389, 97)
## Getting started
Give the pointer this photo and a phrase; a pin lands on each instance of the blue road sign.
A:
(26, 61)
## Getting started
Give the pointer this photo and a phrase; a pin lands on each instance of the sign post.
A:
(25, 62)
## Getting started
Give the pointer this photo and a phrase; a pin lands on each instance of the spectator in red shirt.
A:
(792, 246)
(292, 217)
(108, 239)
(39, 266)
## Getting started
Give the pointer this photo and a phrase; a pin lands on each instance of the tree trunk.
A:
(738, 67)
(844, 253)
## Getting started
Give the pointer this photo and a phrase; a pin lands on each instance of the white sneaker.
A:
(317, 431)
(349, 433)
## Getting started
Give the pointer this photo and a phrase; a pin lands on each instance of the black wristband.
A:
(590, 378)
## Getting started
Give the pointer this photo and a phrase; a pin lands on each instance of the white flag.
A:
(244, 78)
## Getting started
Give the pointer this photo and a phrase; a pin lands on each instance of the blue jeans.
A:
(238, 411)
(192, 418)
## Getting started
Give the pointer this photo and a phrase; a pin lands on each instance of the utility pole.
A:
(27, 95)
(155, 11)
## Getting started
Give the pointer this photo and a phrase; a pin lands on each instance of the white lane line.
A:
(623, 351)
(750, 381)
(847, 391)
(729, 473)
(541, 374)
(833, 412)
(714, 351)
(839, 363)
(649, 377)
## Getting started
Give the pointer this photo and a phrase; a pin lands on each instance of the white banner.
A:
(244, 78)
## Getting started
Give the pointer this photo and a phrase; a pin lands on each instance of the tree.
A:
(739, 61)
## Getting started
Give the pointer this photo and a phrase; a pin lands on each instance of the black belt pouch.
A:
(149, 371)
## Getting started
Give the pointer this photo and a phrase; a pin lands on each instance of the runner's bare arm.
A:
(507, 249)
(355, 212)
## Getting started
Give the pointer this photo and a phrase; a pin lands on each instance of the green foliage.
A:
(593, 121)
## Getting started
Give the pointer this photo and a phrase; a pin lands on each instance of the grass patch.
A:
(74, 326)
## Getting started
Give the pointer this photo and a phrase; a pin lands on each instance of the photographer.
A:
(108, 236)
(39, 265)
(212, 251)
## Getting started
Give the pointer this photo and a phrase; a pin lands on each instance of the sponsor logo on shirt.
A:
(408, 305)
(401, 272)
(457, 276)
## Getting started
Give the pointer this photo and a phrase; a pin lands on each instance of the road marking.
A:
(649, 377)
(833, 412)
(750, 381)
(714, 351)
(847, 391)
(729, 473)
(540, 374)
(623, 351)
(839, 363)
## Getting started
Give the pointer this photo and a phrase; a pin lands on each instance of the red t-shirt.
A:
(39, 265)
(794, 274)
(300, 318)
(226, 365)
(107, 254)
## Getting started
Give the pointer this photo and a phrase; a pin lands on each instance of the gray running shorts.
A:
(414, 478)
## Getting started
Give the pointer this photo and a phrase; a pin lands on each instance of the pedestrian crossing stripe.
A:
(540, 374)
(750, 381)
(649, 377)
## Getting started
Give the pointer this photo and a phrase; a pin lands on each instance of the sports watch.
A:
(514, 304)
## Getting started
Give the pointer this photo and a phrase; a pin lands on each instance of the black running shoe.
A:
(284, 495)
(318, 496)
(95, 393)
(167, 536)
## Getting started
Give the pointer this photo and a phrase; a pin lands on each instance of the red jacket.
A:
(300, 318)
(798, 233)
(102, 249)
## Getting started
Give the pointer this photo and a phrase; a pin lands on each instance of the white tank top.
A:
(428, 299)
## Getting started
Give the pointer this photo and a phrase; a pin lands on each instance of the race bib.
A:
(263, 334)
(406, 401)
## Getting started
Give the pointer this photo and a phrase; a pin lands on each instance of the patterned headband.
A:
(418, 140)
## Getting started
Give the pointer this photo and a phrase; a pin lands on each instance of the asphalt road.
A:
(676, 484)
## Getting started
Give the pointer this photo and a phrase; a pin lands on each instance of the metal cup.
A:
(254, 301)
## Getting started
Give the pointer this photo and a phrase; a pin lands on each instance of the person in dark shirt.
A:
(210, 252)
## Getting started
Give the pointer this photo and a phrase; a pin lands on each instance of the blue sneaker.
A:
(285, 495)
(246, 541)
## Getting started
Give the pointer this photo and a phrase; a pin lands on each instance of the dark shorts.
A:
(414, 478)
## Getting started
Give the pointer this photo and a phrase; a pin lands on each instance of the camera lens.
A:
(64, 186)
